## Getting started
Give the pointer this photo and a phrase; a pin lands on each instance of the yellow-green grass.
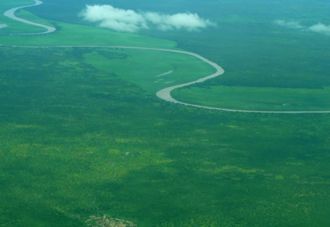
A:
(71, 34)
(145, 67)
(77, 141)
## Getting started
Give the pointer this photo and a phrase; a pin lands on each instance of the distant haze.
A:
(126, 20)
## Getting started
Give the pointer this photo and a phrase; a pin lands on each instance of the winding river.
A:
(165, 93)
(11, 14)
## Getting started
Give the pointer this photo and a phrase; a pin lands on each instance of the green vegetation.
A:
(146, 68)
(257, 98)
(83, 138)
(77, 142)
(70, 34)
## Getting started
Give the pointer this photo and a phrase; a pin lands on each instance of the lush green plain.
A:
(146, 68)
(71, 34)
(81, 135)
(257, 98)
(76, 142)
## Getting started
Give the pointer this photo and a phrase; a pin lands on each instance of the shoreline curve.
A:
(11, 13)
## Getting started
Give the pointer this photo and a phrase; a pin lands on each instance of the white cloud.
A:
(3, 26)
(179, 21)
(320, 28)
(124, 20)
(289, 24)
(116, 19)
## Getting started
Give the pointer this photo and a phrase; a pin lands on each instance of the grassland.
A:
(70, 34)
(145, 68)
(77, 142)
(82, 136)
(257, 98)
